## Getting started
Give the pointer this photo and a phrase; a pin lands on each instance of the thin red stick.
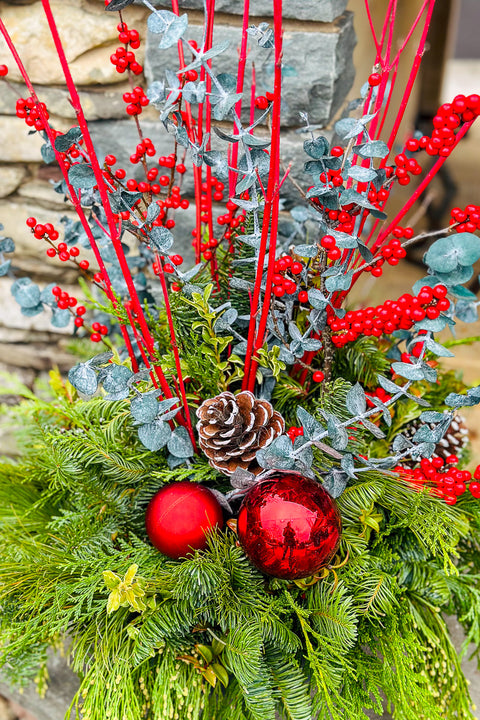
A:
(242, 61)
(270, 215)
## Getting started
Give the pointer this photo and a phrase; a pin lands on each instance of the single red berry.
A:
(84, 264)
(318, 376)
(103, 330)
(336, 151)
(261, 102)
(3, 70)
(95, 337)
(81, 310)
(176, 287)
(74, 251)
(51, 252)
(303, 296)
(78, 322)
(374, 79)
(31, 222)
(96, 326)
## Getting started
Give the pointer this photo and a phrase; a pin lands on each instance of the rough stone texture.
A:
(10, 178)
(98, 103)
(321, 62)
(89, 35)
(318, 10)
(62, 687)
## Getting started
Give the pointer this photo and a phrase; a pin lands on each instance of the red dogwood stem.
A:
(242, 61)
(270, 217)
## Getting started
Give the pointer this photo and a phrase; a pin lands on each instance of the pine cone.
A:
(232, 428)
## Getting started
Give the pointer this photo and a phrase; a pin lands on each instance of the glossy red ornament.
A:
(289, 526)
(179, 516)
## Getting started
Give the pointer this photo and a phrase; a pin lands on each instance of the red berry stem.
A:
(270, 216)
(242, 61)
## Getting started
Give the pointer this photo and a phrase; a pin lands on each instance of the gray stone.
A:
(10, 178)
(62, 687)
(88, 33)
(317, 10)
(99, 103)
(318, 67)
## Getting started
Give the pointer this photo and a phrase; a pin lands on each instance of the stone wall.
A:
(319, 41)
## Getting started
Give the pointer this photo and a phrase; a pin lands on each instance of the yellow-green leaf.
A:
(221, 673)
(205, 652)
(209, 676)
(110, 579)
(130, 574)
(113, 601)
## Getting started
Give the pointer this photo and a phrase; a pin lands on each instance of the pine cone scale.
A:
(232, 428)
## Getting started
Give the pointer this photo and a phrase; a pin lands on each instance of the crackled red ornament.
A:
(179, 517)
(289, 526)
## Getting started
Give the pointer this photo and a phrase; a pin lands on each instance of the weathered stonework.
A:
(318, 66)
(315, 10)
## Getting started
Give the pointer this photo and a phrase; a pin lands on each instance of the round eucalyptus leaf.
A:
(83, 378)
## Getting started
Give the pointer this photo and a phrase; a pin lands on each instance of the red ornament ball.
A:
(289, 526)
(179, 516)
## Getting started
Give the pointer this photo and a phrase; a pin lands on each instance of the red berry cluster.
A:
(390, 316)
(445, 479)
(28, 110)
(122, 58)
(294, 432)
(404, 166)
(448, 118)
(379, 393)
(47, 232)
(136, 101)
(282, 283)
(329, 244)
(468, 220)
(263, 101)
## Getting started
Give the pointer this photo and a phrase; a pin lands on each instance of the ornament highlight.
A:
(289, 526)
(179, 517)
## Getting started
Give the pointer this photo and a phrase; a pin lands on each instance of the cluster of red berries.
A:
(282, 284)
(136, 101)
(69, 302)
(404, 166)
(393, 251)
(390, 316)
(263, 101)
(444, 478)
(294, 432)
(47, 232)
(329, 244)
(468, 220)
(122, 58)
(27, 109)
(379, 393)
(448, 118)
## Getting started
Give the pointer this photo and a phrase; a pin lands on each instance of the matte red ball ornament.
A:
(289, 526)
(179, 517)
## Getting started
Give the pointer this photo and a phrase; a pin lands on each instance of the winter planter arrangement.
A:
(254, 499)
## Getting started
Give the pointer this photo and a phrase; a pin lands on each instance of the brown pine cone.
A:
(232, 428)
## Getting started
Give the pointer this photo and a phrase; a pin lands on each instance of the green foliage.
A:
(361, 361)
(210, 637)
